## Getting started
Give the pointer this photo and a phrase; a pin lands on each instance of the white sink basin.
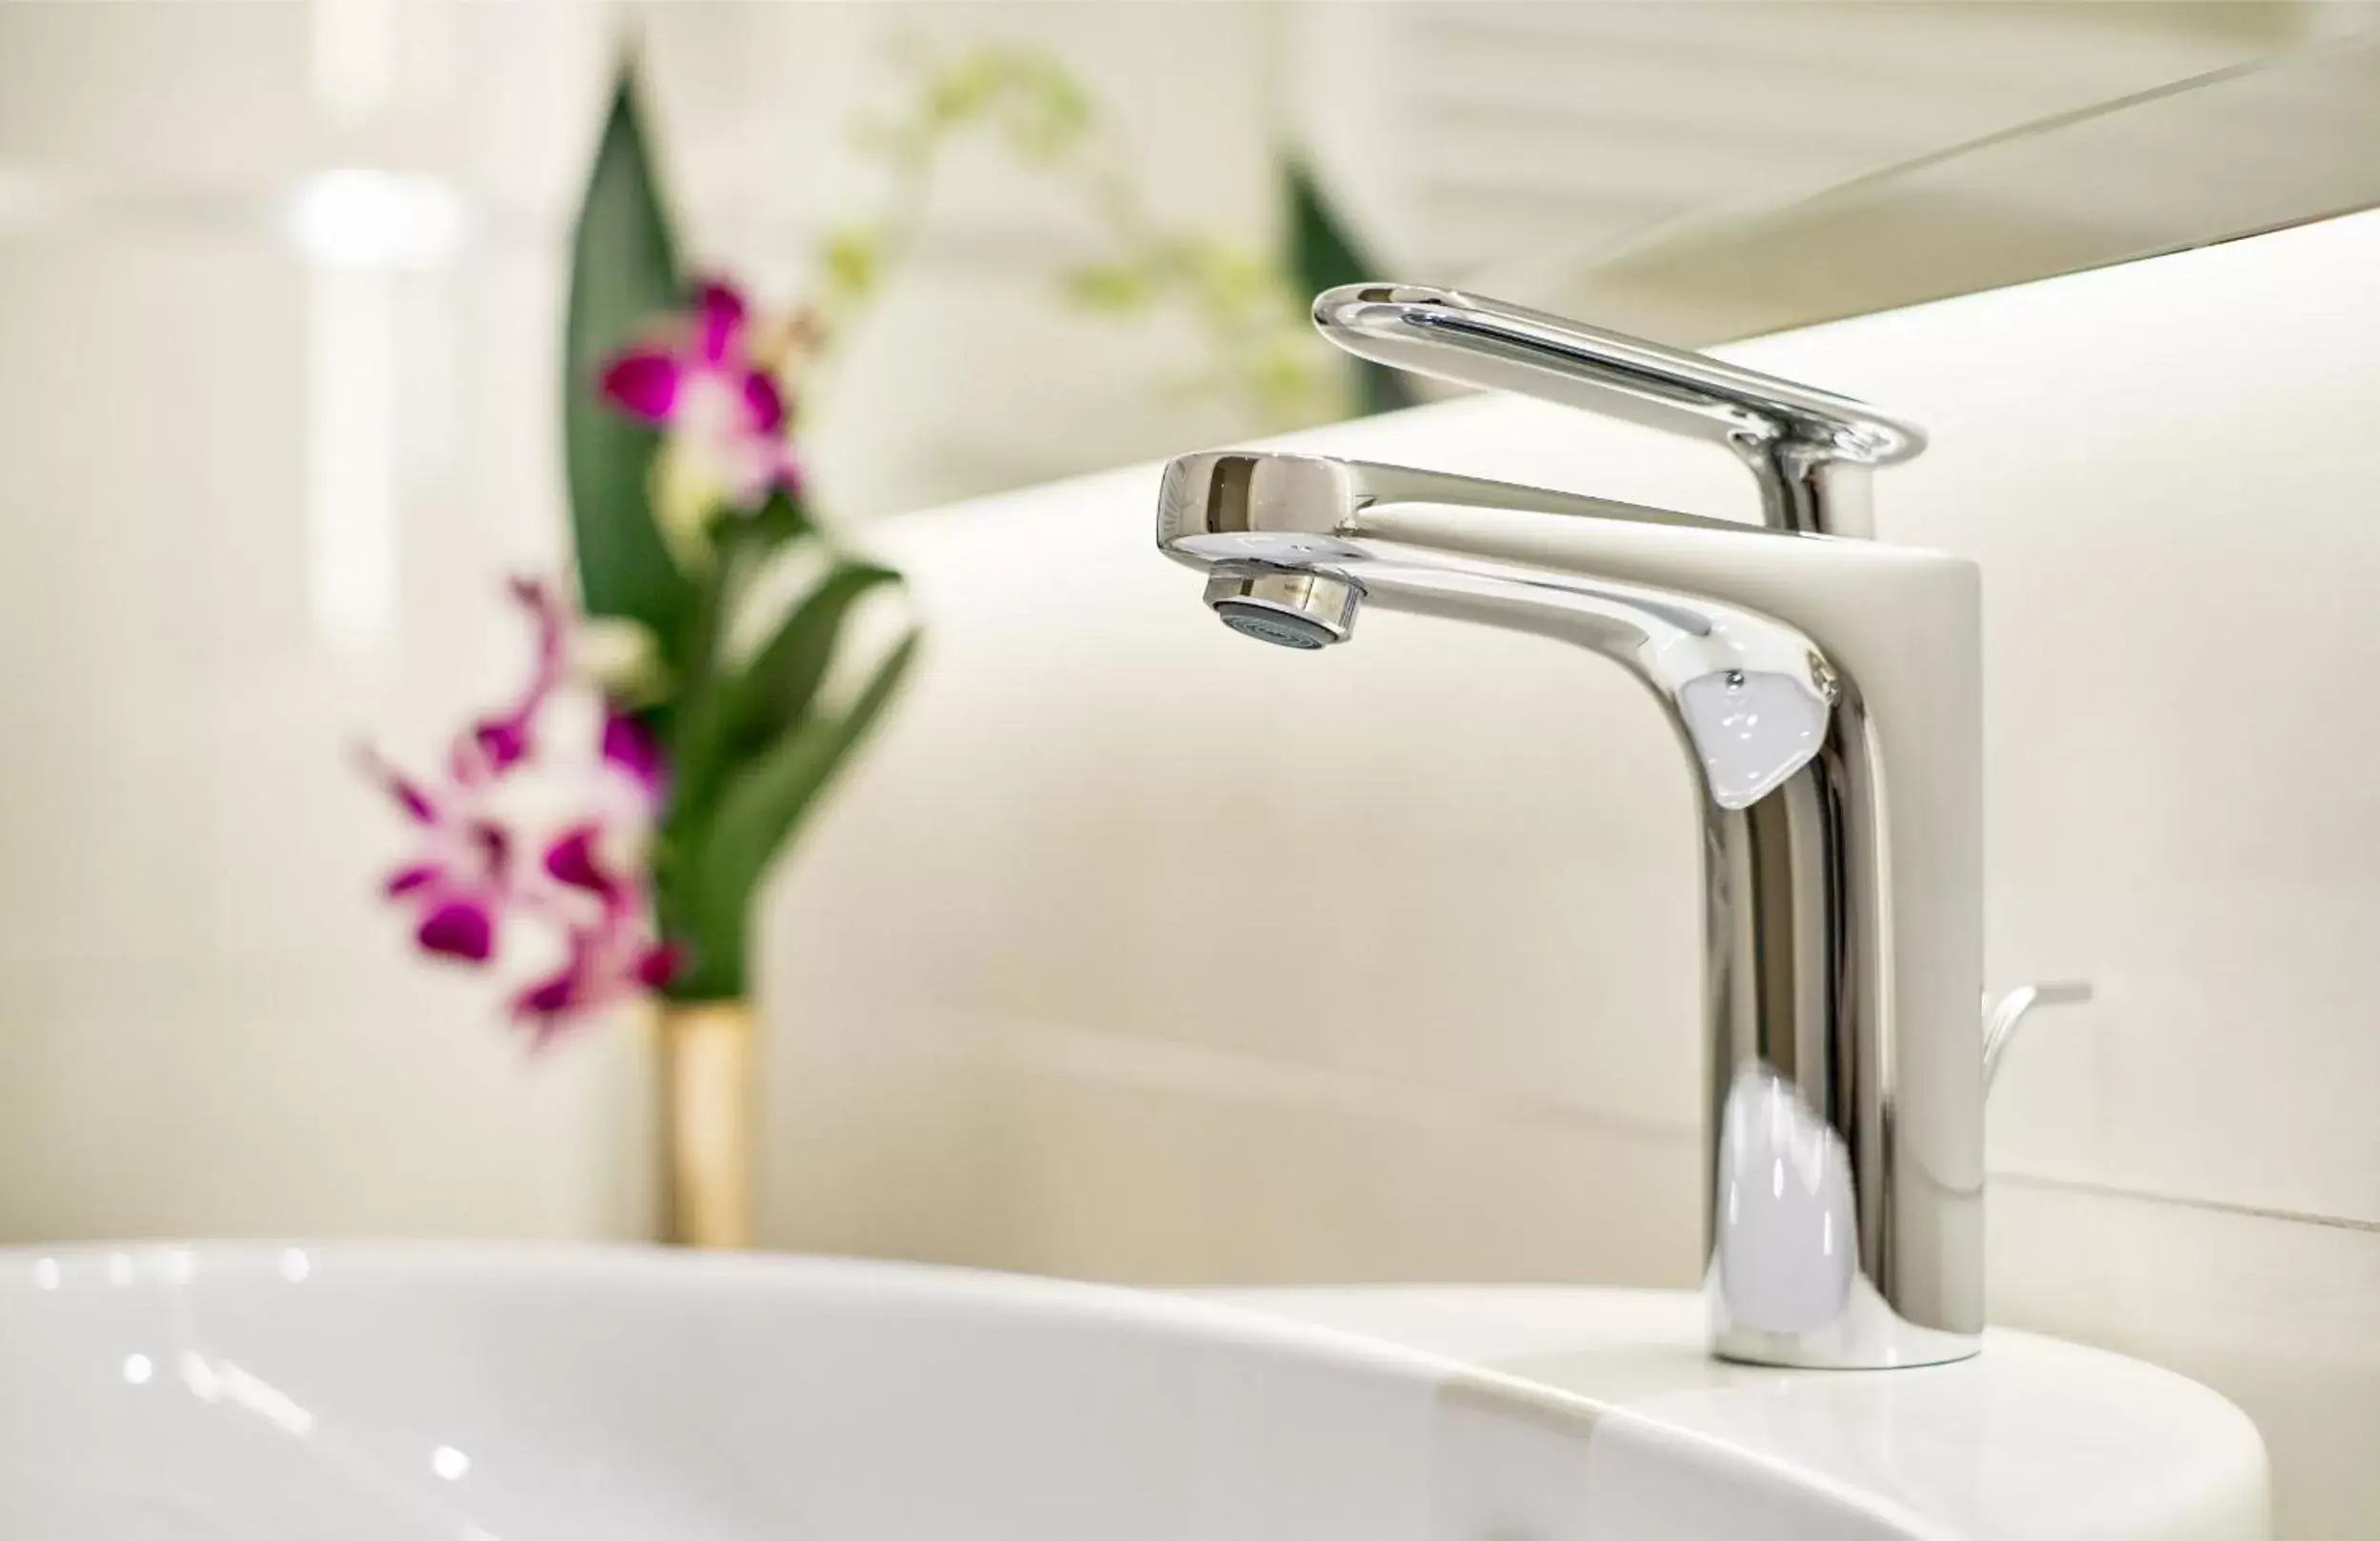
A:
(2031, 1440)
(242, 1393)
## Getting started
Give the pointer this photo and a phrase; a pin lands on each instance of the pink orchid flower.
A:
(562, 774)
(505, 740)
(604, 963)
(459, 881)
(601, 900)
(703, 382)
(464, 878)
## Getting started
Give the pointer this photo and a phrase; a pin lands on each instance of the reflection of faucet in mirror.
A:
(1827, 691)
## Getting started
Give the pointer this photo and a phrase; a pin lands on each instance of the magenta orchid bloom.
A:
(459, 880)
(606, 963)
(504, 741)
(594, 888)
(540, 824)
(725, 414)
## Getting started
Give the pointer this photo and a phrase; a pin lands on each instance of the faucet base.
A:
(1869, 1335)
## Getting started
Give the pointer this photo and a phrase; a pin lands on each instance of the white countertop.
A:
(2033, 1438)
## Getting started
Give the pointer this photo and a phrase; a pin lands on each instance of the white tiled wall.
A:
(257, 500)
(250, 505)
(1144, 952)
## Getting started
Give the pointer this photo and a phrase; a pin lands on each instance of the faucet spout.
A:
(1827, 694)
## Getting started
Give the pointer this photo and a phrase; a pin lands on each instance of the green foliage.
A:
(1044, 113)
(1245, 305)
(781, 519)
(776, 691)
(1110, 288)
(1324, 254)
(851, 261)
(1036, 106)
(751, 745)
(624, 273)
(716, 864)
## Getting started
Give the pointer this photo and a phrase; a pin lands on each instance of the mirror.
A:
(1700, 172)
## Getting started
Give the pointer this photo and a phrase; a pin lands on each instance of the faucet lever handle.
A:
(2000, 1025)
(1809, 449)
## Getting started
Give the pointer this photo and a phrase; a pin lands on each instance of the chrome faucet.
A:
(1827, 691)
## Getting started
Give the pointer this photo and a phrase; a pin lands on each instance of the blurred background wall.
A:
(281, 288)
(279, 296)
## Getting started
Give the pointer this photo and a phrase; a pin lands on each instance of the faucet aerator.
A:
(1304, 611)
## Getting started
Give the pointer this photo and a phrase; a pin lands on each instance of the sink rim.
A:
(1566, 1337)
(1313, 1324)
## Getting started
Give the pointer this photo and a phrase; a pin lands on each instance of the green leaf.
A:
(966, 87)
(759, 809)
(1229, 281)
(1110, 288)
(698, 716)
(1324, 254)
(775, 689)
(780, 519)
(624, 273)
(852, 258)
(1047, 110)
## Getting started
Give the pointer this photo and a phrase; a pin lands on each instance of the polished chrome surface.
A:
(2001, 1022)
(1828, 692)
(1810, 450)
(1288, 610)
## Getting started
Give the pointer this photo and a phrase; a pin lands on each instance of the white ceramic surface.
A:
(609, 1394)
(248, 1393)
(2031, 1440)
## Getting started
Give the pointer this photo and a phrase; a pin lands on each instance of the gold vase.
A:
(707, 1062)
